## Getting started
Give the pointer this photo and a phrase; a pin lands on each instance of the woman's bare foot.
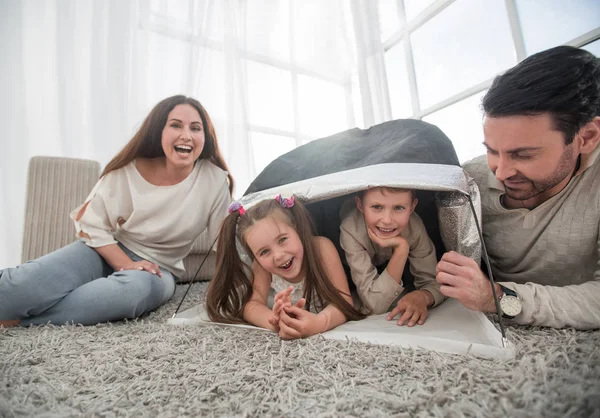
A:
(10, 323)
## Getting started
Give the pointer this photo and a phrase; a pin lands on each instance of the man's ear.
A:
(590, 135)
(359, 204)
(414, 204)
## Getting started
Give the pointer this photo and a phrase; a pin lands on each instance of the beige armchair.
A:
(199, 251)
(57, 185)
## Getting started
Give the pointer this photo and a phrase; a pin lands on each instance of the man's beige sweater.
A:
(549, 255)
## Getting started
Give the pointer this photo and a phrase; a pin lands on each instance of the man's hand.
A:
(296, 322)
(461, 278)
(413, 308)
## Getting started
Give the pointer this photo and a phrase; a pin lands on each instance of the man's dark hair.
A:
(562, 81)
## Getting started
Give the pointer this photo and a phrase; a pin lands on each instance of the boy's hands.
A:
(397, 243)
(413, 308)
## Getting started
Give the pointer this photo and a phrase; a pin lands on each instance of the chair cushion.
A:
(55, 185)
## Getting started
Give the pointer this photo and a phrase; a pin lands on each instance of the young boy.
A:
(384, 227)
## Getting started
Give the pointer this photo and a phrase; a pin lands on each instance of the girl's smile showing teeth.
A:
(277, 247)
(287, 265)
(386, 230)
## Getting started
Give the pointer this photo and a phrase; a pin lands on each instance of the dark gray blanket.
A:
(398, 141)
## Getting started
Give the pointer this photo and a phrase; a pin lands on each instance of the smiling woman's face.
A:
(183, 137)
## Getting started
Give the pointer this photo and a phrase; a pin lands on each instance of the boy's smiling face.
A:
(386, 211)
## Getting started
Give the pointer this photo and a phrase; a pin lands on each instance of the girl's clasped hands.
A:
(291, 320)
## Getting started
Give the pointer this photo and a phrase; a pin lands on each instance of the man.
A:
(540, 195)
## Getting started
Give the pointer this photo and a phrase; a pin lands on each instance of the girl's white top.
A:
(279, 284)
(158, 223)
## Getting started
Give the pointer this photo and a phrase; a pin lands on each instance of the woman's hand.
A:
(142, 265)
(413, 308)
(296, 322)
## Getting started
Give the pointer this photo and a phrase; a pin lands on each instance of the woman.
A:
(167, 186)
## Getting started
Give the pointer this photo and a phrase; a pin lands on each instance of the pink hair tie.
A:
(237, 207)
(285, 202)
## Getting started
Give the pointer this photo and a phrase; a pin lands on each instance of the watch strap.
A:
(507, 292)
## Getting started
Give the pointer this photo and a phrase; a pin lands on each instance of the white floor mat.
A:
(450, 328)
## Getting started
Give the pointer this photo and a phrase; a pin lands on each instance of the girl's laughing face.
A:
(277, 248)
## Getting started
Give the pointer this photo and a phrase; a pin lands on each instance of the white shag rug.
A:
(148, 368)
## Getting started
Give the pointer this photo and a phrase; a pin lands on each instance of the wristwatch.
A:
(510, 303)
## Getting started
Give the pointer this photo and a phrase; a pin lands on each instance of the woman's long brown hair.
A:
(231, 287)
(147, 141)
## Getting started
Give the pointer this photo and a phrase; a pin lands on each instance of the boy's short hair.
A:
(413, 194)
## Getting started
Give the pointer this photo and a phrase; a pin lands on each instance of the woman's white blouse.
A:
(158, 223)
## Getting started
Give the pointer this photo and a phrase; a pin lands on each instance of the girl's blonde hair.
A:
(230, 289)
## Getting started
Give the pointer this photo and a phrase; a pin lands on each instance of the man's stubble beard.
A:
(562, 171)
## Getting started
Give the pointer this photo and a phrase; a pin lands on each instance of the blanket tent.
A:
(327, 171)
(404, 153)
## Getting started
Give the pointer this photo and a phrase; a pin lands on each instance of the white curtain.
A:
(78, 77)
(65, 80)
(370, 62)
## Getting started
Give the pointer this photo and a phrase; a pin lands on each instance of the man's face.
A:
(529, 157)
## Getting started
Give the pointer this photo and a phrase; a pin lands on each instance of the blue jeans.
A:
(76, 285)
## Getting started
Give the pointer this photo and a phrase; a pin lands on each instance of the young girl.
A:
(384, 228)
(304, 270)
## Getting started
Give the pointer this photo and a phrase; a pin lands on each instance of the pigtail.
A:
(316, 283)
(230, 289)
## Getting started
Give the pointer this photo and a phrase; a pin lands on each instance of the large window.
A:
(455, 50)
(280, 69)
(547, 23)
(441, 56)
(288, 75)
(462, 122)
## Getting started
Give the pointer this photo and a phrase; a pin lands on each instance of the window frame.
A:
(407, 28)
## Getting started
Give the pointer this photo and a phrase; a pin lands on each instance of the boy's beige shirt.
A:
(379, 291)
